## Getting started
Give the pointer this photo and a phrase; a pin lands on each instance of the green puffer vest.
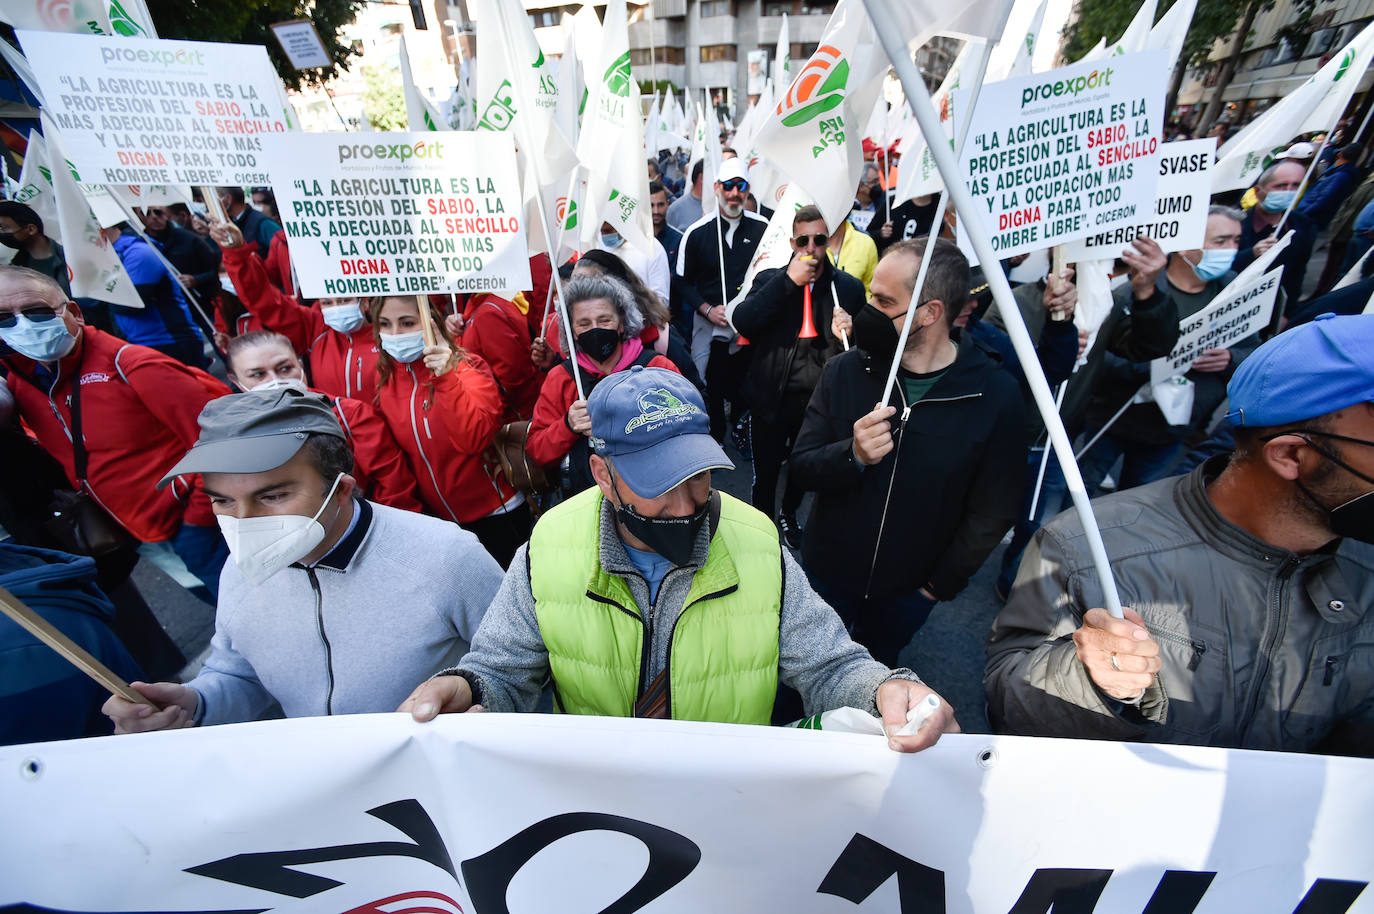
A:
(723, 654)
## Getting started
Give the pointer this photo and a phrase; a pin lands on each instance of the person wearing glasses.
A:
(1248, 584)
(113, 414)
(196, 258)
(787, 362)
(713, 258)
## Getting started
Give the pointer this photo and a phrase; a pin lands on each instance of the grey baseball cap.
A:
(254, 432)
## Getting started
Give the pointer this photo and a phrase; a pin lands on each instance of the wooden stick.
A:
(1056, 278)
(426, 324)
(210, 197)
(44, 631)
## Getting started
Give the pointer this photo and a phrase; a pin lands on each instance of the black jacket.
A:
(698, 259)
(192, 254)
(908, 221)
(771, 317)
(1293, 259)
(960, 472)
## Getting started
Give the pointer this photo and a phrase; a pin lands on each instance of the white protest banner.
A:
(150, 111)
(499, 813)
(1242, 308)
(400, 213)
(1178, 219)
(1059, 155)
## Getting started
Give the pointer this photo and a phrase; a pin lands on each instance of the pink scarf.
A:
(629, 351)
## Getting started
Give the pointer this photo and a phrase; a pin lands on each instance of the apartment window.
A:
(777, 9)
(711, 53)
(802, 50)
(714, 8)
(639, 57)
(670, 55)
(543, 18)
(814, 8)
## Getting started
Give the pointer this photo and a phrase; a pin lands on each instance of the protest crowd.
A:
(507, 499)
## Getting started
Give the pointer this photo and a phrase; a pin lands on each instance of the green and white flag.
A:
(611, 145)
(782, 57)
(420, 114)
(1315, 105)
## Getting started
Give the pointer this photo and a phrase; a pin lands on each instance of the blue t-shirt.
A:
(653, 566)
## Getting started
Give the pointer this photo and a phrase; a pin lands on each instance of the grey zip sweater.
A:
(510, 664)
(395, 600)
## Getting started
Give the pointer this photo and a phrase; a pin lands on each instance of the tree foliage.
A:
(249, 22)
(384, 102)
(1108, 19)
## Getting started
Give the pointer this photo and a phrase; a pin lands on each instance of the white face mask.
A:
(262, 546)
(279, 383)
(342, 318)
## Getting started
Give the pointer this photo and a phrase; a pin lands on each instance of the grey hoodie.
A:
(817, 658)
(395, 600)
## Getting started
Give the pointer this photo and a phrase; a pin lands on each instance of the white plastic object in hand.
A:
(917, 716)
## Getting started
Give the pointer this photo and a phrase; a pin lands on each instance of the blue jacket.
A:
(165, 318)
(1327, 195)
(42, 696)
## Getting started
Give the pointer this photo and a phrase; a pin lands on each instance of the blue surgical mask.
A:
(613, 240)
(1276, 201)
(404, 347)
(42, 341)
(343, 318)
(1214, 264)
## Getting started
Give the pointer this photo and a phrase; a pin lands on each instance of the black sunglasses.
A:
(735, 184)
(820, 239)
(38, 313)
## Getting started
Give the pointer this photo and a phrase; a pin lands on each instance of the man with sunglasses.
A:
(196, 258)
(1249, 584)
(786, 367)
(713, 257)
(132, 411)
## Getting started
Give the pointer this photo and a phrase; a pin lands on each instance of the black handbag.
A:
(76, 521)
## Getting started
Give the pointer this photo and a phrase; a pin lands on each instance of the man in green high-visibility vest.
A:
(653, 595)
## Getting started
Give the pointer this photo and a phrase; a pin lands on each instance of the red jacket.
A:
(340, 365)
(495, 329)
(379, 465)
(550, 437)
(279, 264)
(138, 418)
(541, 277)
(445, 425)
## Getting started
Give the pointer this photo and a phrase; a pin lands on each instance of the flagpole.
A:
(894, 43)
(553, 255)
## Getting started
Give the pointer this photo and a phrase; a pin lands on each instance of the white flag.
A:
(35, 184)
(95, 269)
(917, 176)
(611, 146)
(1136, 37)
(87, 17)
(775, 247)
(1025, 47)
(1315, 105)
(1172, 28)
(782, 57)
(420, 114)
(813, 135)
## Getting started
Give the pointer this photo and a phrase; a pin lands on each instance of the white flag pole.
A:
(894, 42)
(554, 255)
(980, 65)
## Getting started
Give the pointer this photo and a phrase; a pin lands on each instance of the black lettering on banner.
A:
(865, 864)
(671, 858)
(1067, 891)
(1179, 892)
(1330, 896)
(270, 871)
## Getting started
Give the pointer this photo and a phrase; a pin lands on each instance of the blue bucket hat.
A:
(653, 424)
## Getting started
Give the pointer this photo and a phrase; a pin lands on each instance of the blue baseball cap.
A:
(652, 423)
(1309, 371)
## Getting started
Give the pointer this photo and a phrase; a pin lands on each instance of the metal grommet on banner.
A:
(987, 757)
(30, 769)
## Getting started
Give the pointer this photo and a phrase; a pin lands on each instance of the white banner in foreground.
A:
(401, 213)
(495, 813)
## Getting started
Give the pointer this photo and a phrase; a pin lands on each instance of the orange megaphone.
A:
(808, 327)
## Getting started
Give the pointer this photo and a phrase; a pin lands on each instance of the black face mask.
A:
(670, 537)
(875, 333)
(9, 241)
(1353, 519)
(599, 342)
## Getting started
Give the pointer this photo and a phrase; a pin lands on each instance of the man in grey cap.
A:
(1249, 582)
(332, 604)
(653, 595)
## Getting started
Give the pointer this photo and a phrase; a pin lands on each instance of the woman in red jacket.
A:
(443, 406)
(263, 360)
(495, 329)
(335, 337)
(606, 328)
